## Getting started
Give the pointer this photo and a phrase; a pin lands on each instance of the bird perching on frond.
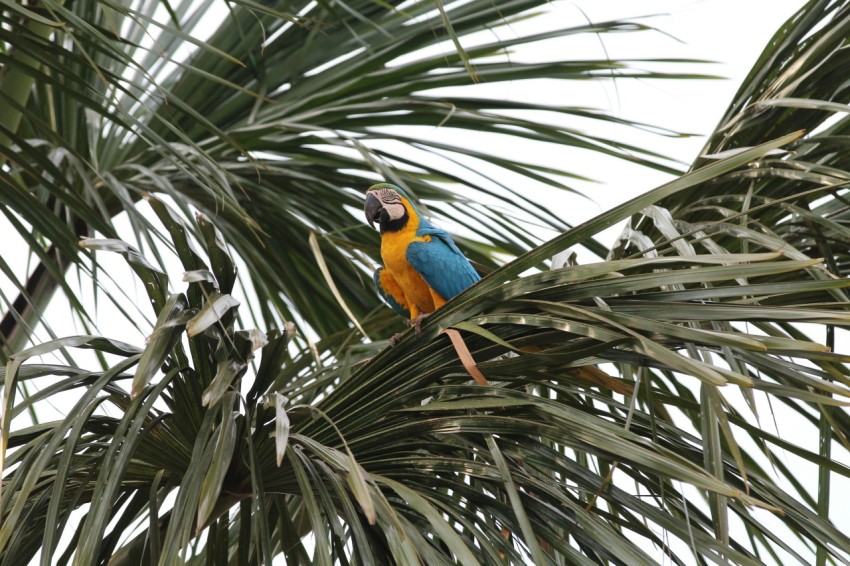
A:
(423, 268)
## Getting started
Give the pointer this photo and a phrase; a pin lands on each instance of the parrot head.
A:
(387, 205)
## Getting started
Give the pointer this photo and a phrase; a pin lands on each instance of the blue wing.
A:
(440, 263)
(390, 291)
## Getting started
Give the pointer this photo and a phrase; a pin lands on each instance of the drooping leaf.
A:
(170, 325)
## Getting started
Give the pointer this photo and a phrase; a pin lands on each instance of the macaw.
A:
(423, 268)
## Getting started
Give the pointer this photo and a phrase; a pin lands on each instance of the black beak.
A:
(373, 209)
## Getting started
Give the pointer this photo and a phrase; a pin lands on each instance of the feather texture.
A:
(391, 292)
(441, 264)
(423, 268)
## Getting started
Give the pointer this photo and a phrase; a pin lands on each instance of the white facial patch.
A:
(394, 210)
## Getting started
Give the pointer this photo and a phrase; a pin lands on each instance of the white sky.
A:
(731, 32)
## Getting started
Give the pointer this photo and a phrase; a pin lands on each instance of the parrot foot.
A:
(417, 322)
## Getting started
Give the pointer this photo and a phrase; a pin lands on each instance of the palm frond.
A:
(397, 454)
(798, 197)
(640, 409)
(272, 123)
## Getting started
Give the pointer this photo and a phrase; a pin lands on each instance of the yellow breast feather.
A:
(420, 297)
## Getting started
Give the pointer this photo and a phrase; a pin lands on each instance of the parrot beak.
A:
(373, 209)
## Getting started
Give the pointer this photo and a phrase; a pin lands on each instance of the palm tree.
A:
(632, 406)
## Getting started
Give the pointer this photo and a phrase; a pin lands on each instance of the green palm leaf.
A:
(408, 460)
(633, 403)
(272, 124)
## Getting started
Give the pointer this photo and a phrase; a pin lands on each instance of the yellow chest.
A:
(393, 252)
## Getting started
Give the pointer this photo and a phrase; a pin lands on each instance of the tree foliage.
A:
(631, 407)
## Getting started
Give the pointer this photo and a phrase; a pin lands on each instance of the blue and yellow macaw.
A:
(423, 268)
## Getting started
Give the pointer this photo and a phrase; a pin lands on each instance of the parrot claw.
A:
(417, 322)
